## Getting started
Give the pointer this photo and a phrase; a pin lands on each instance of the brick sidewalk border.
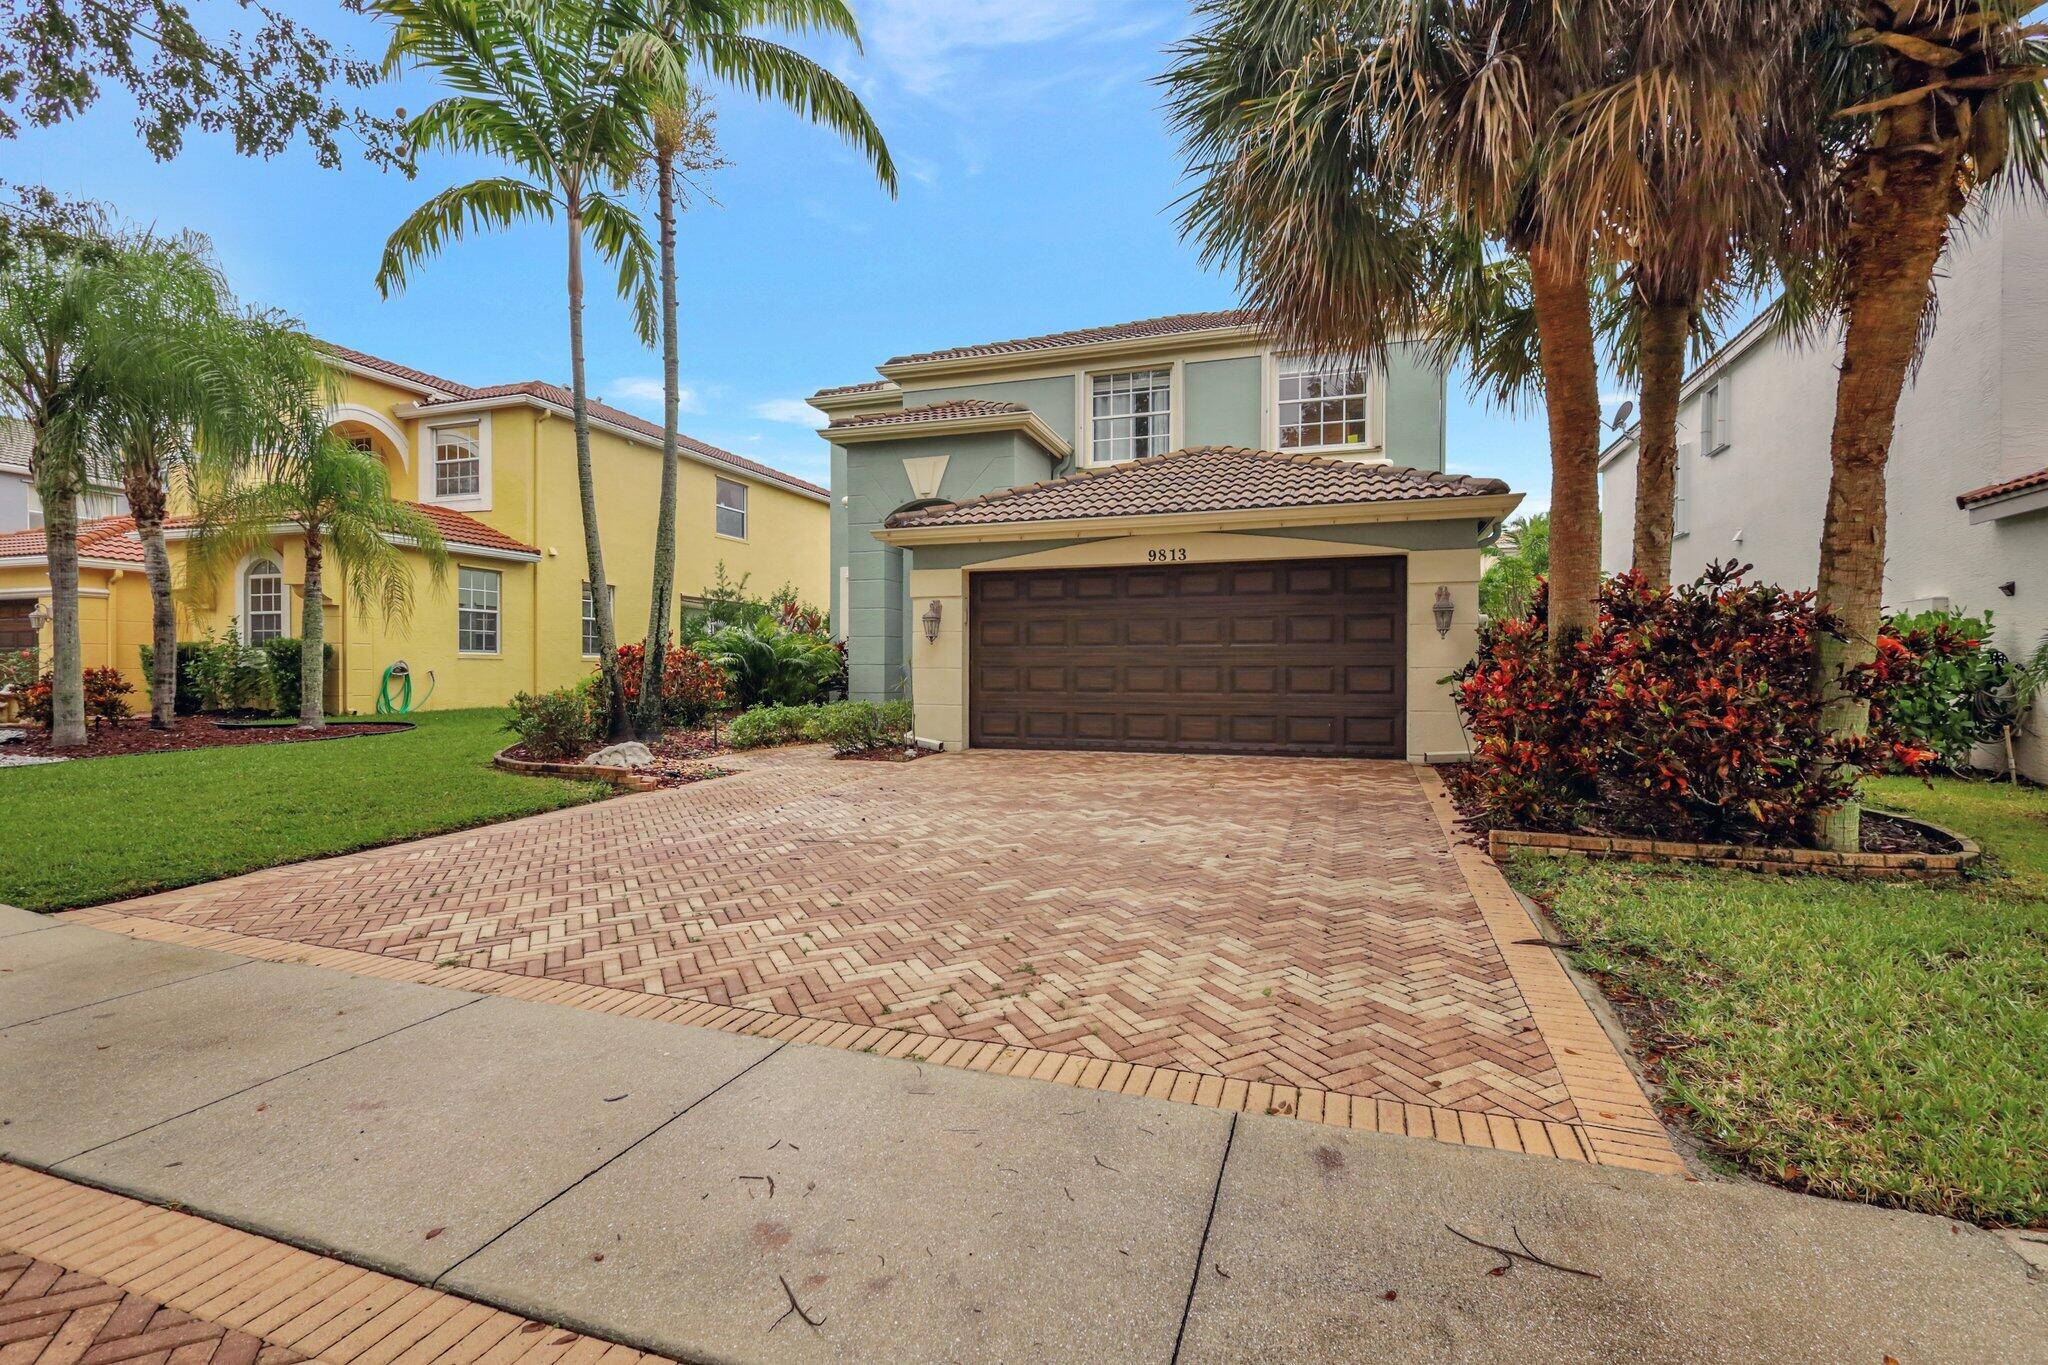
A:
(88, 1277)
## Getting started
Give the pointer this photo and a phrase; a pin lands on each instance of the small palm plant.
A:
(281, 465)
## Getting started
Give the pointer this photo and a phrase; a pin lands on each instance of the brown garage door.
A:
(15, 631)
(1288, 657)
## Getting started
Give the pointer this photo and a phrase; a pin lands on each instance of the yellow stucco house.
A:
(495, 468)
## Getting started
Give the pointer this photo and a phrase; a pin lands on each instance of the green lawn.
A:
(1877, 1041)
(99, 829)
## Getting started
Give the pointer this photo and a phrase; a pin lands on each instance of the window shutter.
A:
(1722, 407)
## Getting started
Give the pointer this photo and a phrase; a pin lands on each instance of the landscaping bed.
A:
(1884, 1041)
(135, 736)
(679, 760)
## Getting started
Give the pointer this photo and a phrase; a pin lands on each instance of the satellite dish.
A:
(1621, 415)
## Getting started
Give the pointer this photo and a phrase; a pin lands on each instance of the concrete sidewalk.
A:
(674, 1188)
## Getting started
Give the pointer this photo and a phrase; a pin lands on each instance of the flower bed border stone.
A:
(1749, 857)
(625, 779)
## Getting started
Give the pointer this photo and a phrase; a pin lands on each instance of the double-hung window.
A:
(1320, 403)
(1130, 415)
(458, 463)
(732, 509)
(590, 640)
(476, 611)
(262, 601)
(1714, 418)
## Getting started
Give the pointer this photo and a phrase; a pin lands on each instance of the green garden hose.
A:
(403, 704)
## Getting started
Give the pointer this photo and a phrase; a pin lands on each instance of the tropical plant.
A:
(769, 725)
(2029, 685)
(860, 727)
(669, 43)
(1508, 587)
(1351, 155)
(17, 669)
(106, 697)
(539, 86)
(690, 686)
(1682, 715)
(282, 465)
(554, 725)
(765, 664)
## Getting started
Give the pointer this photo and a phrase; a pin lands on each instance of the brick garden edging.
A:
(625, 779)
(1747, 857)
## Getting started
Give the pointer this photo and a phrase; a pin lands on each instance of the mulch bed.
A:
(134, 736)
(1881, 833)
(679, 756)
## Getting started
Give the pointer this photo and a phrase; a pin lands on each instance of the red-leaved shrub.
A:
(1687, 714)
(106, 697)
(690, 685)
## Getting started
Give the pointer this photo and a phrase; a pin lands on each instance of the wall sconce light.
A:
(931, 623)
(39, 616)
(1442, 611)
(2009, 587)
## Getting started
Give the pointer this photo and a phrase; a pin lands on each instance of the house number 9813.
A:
(1173, 555)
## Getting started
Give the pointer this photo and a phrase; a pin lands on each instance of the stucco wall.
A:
(1974, 414)
(13, 501)
(1223, 403)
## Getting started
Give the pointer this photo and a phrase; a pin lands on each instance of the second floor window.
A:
(1130, 416)
(732, 509)
(458, 463)
(590, 640)
(476, 611)
(1320, 403)
(262, 601)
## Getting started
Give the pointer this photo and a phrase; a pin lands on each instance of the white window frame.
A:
(1085, 432)
(1367, 398)
(611, 592)
(1681, 489)
(245, 604)
(430, 465)
(496, 610)
(719, 485)
(1713, 417)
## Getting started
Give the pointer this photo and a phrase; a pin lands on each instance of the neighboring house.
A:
(1160, 535)
(1967, 491)
(20, 509)
(495, 468)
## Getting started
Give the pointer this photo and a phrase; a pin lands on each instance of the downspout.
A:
(113, 643)
(533, 538)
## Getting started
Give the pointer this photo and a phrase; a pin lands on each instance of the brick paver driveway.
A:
(1297, 922)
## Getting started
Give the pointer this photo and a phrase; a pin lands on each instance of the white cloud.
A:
(639, 389)
(926, 43)
(795, 411)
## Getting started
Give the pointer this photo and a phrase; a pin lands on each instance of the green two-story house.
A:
(1163, 536)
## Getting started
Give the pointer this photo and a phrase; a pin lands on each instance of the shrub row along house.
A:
(1161, 535)
(495, 470)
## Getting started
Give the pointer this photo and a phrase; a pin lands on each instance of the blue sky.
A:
(1038, 191)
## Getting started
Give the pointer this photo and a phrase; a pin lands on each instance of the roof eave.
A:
(1030, 423)
(1482, 507)
(458, 407)
(1081, 352)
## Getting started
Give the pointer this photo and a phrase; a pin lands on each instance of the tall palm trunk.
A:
(146, 503)
(1899, 223)
(617, 725)
(1571, 399)
(67, 658)
(1666, 326)
(313, 637)
(650, 719)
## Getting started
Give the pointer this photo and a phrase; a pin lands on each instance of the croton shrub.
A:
(1686, 714)
(106, 697)
(691, 685)
(1947, 688)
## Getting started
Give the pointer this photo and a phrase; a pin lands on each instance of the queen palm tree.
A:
(667, 42)
(537, 85)
(1344, 149)
(275, 463)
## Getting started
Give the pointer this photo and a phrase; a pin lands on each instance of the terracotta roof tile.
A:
(455, 527)
(2037, 479)
(17, 443)
(870, 386)
(110, 538)
(1173, 324)
(405, 374)
(557, 396)
(1202, 479)
(951, 410)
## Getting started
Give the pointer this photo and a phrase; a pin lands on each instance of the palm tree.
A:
(173, 381)
(1344, 148)
(59, 266)
(666, 39)
(537, 85)
(278, 464)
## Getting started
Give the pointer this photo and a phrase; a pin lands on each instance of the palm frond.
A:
(621, 239)
(495, 202)
(771, 71)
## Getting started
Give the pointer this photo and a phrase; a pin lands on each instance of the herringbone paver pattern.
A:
(1264, 920)
(53, 1316)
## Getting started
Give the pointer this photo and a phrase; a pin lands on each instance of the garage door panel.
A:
(1273, 657)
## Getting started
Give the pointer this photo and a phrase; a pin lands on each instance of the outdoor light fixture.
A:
(39, 616)
(931, 623)
(1442, 611)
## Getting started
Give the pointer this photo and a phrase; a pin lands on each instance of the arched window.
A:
(262, 601)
